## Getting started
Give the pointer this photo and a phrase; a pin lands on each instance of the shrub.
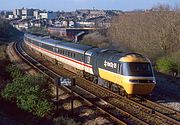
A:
(14, 71)
(169, 64)
(31, 93)
(165, 65)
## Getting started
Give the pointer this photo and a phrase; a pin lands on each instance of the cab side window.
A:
(124, 69)
(121, 69)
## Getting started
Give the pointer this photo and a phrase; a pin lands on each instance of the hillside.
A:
(6, 30)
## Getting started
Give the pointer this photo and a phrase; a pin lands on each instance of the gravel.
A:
(167, 91)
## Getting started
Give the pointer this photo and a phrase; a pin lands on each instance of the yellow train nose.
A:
(139, 88)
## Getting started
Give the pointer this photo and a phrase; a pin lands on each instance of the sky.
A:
(71, 5)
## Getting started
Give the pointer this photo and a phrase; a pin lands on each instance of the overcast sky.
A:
(69, 5)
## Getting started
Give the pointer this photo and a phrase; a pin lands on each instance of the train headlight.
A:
(134, 80)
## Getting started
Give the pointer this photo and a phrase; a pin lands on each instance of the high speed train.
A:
(129, 73)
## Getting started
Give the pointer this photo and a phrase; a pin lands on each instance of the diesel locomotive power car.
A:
(131, 72)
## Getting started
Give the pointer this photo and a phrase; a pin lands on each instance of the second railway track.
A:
(126, 110)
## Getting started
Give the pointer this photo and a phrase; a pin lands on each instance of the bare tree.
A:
(153, 33)
(96, 39)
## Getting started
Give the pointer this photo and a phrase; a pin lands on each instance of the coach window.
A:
(88, 59)
(60, 51)
(71, 55)
(40, 44)
(68, 53)
(74, 55)
(82, 58)
(63, 52)
(57, 50)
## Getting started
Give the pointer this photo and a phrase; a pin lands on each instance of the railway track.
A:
(140, 111)
(54, 75)
(158, 108)
(115, 113)
(129, 111)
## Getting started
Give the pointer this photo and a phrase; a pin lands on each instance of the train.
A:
(126, 73)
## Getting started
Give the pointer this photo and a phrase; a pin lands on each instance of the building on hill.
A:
(17, 13)
(47, 15)
(27, 13)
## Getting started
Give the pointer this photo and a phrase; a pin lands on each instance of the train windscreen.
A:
(137, 69)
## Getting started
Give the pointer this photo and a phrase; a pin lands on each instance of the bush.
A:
(169, 64)
(165, 65)
(31, 93)
(14, 71)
